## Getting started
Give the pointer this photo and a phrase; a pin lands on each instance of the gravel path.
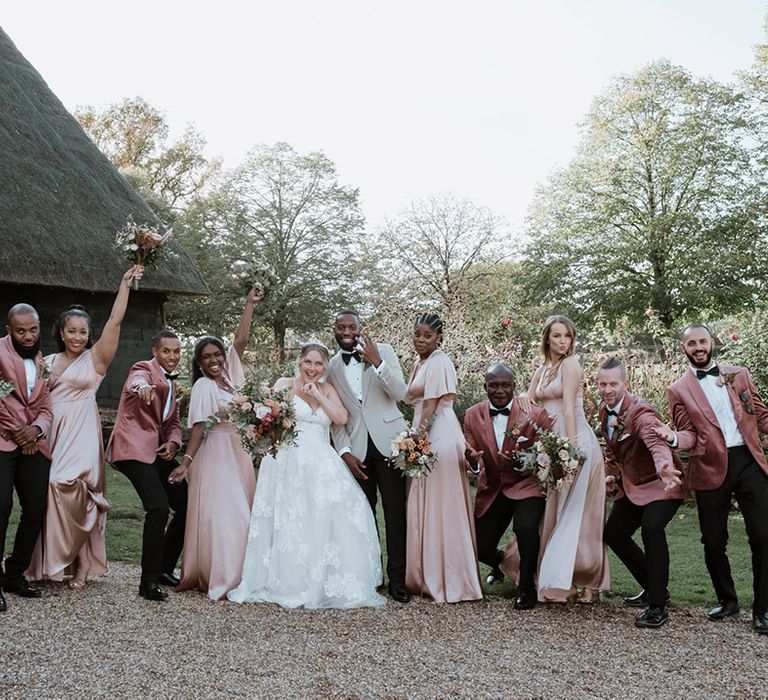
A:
(105, 642)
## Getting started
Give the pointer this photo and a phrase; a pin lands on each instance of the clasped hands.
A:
(26, 438)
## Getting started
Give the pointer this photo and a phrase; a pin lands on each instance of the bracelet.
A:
(191, 459)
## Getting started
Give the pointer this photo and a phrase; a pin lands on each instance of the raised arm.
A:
(103, 351)
(243, 331)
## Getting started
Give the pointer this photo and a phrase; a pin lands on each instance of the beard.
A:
(24, 352)
(700, 365)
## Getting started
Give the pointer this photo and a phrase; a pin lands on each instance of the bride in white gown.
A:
(312, 540)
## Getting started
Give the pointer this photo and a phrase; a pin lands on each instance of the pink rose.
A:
(505, 323)
(649, 312)
(734, 336)
(542, 459)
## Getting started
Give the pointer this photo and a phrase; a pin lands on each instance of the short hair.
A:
(163, 334)
(347, 312)
(696, 325)
(431, 320)
(19, 309)
(197, 370)
(61, 321)
(614, 362)
(503, 366)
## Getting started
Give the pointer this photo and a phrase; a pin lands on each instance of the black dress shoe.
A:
(654, 616)
(20, 587)
(152, 591)
(399, 592)
(760, 623)
(724, 610)
(525, 601)
(3, 605)
(640, 600)
(495, 576)
(169, 580)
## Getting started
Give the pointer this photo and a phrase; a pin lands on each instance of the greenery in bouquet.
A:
(142, 244)
(264, 419)
(552, 461)
(255, 272)
(412, 453)
(6, 388)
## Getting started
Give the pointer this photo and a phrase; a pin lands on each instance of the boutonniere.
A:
(6, 388)
(45, 370)
(746, 399)
(726, 378)
(514, 434)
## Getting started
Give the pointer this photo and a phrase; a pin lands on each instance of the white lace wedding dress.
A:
(312, 540)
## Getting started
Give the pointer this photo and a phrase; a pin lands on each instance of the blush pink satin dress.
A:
(77, 509)
(221, 487)
(572, 549)
(441, 557)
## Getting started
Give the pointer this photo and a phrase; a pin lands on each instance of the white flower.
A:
(133, 246)
(573, 464)
(261, 411)
(563, 455)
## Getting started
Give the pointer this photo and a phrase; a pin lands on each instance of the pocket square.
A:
(626, 436)
(522, 438)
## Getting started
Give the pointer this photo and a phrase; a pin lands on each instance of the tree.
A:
(662, 206)
(291, 211)
(134, 135)
(435, 247)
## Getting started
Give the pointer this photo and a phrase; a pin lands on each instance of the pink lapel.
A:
(699, 397)
(738, 407)
(161, 386)
(40, 379)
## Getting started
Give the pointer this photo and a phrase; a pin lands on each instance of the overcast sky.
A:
(408, 97)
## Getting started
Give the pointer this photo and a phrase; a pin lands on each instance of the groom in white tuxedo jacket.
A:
(369, 380)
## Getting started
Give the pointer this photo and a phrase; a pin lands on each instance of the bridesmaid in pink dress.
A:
(221, 476)
(72, 539)
(574, 560)
(441, 558)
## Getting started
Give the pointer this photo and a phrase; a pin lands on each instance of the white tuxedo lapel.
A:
(339, 378)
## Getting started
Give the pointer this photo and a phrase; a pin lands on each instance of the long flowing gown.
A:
(221, 487)
(441, 554)
(572, 549)
(312, 539)
(76, 517)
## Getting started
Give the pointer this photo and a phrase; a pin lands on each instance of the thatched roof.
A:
(61, 199)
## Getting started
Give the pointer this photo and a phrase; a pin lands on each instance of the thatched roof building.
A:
(61, 202)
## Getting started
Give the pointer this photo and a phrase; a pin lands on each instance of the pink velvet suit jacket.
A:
(636, 454)
(699, 432)
(17, 410)
(495, 477)
(139, 428)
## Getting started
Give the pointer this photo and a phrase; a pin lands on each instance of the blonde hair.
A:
(306, 348)
(545, 351)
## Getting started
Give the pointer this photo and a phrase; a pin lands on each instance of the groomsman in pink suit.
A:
(494, 430)
(642, 470)
(719, 416)
(25, 460)
(143, 446)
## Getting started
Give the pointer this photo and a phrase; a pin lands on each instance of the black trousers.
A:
(650, 567)
(747, 481)
(525, 515)
(28, 474)
(161, 547)
(391, 484)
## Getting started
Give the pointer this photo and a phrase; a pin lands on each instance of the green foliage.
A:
(664, 175)
(745, 343)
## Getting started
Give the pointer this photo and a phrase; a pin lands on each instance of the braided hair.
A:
(61, 321)
(431, 320)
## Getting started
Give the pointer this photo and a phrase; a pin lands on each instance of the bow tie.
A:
(499, 412)
(171, 375)
(346, 355)
(713, 372)
(611, 412)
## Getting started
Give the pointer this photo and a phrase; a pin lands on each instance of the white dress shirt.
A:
(500, 424)
(167, 408)
(612, 421)
(30, 369)
(721, 404)
(353, 373)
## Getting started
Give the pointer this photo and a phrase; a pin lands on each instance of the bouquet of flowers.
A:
(142, 244)
(255, 272)
(264, 419)
(412, 453)
(552, 460)
(6, 388)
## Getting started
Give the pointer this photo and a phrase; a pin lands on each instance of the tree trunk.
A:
(278, 347)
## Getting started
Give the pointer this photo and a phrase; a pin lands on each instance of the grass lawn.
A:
(689, 582)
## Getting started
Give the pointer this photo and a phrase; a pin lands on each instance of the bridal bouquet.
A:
(255, 272)
(412, 453)
(142, 244)
(264, 419)
(6, 388)
(552, 461)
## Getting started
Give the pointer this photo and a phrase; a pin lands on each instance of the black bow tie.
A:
(346, 355)
(611, 412)
(171, 375)
(499, 412)
(713, 372)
